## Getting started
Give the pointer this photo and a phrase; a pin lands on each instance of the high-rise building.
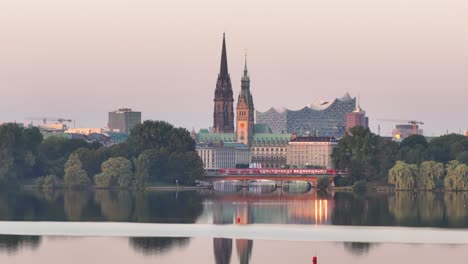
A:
(223, 116)
(245, 111)
(323, 118)
(356, 118)
(123, 120)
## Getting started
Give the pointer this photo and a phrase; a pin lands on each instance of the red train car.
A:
(277, 172)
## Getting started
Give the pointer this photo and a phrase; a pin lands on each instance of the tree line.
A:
(156, 151)
(414, 163)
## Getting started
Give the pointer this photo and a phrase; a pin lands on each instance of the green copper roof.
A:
(213, 137)
(272, 137)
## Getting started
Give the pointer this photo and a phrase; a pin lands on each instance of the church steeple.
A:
(223, 116)
(245, 110)
(223, 70)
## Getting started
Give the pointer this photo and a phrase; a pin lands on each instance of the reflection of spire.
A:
(244, 250)
(222, 250)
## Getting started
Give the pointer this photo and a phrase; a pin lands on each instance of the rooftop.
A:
(313, 139)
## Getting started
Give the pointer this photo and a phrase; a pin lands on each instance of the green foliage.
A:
(142, 170)
(115, 171)
(75, 177)
(457, 176)
(403, 175)
(341, 181)
(364, 154)
(18, 152)
(160, 134)
(360, 187)
(54, 152)
(323, 183)
(46, 183)
(446, 148)
(429, 173)
(462, 157)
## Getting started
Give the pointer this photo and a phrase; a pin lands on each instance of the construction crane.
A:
(45, 119)
(414, 123)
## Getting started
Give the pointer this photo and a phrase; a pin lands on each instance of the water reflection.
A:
(358, 249)
(13, 244)
(157, 245)
(423, 209)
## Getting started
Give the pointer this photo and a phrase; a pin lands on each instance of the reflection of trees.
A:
(358, 248)
(115, 205)
(349, 210)
(222, 250)
(430, 209)
(12, 244)
(157, 245)
(417, 209)
(456, 208)
(74, 202)
(403, 207)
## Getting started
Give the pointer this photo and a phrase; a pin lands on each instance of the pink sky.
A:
(79, 59)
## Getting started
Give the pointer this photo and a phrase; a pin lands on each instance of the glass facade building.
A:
(324, 119)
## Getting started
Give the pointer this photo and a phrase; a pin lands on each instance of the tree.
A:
(75, 176)
(403, 175)
(160, 134)
(462, 157)
(364, 154)
(457, 176)
(115, 171)
(429, 173)
(142, 170)
(54, 151)
(446, 148)
(323, 183)
(18, 152)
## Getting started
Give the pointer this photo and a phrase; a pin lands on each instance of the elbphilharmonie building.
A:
(323, 119)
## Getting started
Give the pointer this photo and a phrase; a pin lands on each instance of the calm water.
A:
(246, 207)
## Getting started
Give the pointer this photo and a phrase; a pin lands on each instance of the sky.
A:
(79, 59)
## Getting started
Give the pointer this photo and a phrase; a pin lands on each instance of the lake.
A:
(249, 208)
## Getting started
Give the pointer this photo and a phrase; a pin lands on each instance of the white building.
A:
(224, 155)
(304, 151)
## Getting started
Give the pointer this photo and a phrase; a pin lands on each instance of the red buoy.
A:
(238, 220)
(314, 260)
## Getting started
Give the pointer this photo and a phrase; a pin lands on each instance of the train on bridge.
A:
(282, 172)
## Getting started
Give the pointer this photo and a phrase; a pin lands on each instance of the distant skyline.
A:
(80, 59)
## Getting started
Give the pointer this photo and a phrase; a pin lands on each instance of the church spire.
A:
(223, 72)
(246, 72)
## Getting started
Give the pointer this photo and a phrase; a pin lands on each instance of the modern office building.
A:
(223, 154)
(356, 118)
(403, 131)
(324, 118)
(123, 120)
(310, 151)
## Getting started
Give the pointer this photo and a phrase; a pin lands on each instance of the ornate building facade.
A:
(268, 150)
(223, 116)
(245, 111)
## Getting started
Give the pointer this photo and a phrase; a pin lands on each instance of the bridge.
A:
(278, 179)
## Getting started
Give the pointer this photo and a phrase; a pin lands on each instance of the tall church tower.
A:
(223, 115)
(245, 110)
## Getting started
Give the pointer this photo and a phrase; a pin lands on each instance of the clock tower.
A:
(245, 110)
